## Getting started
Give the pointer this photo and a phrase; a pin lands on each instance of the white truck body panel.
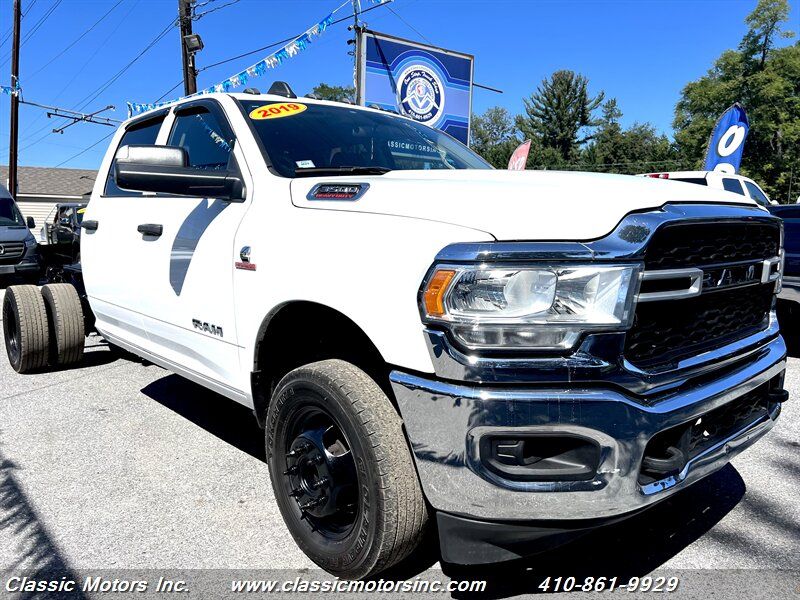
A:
(365, 259)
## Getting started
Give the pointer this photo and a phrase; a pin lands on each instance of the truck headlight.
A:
(536, 307)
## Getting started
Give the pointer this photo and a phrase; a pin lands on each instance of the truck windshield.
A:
(323, 139)
(9, 213)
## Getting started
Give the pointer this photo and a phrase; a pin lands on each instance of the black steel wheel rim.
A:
(319, 473)
(11, 333)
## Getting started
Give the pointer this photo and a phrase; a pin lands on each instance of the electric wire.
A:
(285, 41)
(78, 39)
(199, 16)
(8, 33)
(36, 26)
(85, 150)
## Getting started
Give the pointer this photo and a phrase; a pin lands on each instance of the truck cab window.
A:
(145, 132)
(200, 133)
(756, 193)
(732, 185)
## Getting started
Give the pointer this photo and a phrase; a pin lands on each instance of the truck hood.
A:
(14, 233)
(513, 205)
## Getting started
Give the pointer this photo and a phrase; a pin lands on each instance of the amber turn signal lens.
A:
(434, 293)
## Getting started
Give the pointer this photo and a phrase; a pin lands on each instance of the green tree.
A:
(765, 79)
(636, 149)
(493, 136)
(766, 24)
(336, 93)
(558, 114)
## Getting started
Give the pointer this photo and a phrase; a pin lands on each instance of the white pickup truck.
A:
(523, 355)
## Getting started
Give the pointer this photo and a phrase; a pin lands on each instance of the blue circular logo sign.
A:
(420, 95)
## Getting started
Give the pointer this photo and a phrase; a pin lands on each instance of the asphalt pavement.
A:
(118, 464)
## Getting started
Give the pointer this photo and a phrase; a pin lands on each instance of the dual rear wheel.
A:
(43, 327)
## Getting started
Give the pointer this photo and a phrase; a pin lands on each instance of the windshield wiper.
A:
(312, 171)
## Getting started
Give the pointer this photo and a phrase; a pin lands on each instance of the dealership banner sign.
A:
(726, 145)
(428, 84)
(519, 158)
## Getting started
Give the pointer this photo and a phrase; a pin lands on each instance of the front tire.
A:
(25, 328)
(341, 470)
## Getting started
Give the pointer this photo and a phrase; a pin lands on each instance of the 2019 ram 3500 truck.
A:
(522, 355)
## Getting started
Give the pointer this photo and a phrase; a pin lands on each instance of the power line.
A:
(85, 150)
(78, 39)
(74, 77)
(93, 95)
(211, 10)
(7, 36)
(417, 31)
(289, 39)
(170, 90)
(36, 26)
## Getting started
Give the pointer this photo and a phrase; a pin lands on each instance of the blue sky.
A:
(641, 52)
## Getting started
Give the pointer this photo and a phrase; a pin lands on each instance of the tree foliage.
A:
(766, 81)
(335, 93)
(559, 111)
(494, 136)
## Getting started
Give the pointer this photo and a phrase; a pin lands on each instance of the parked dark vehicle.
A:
(789, 297)
(19, 257)
(60, 238)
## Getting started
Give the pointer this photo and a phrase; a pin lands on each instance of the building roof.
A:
(50, 181)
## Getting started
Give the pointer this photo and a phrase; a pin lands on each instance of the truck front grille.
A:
(697, 244)
(11, 252)
(667, 331)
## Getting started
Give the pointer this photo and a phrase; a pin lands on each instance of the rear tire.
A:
(25, 328)
(65, 318)
(335, 445)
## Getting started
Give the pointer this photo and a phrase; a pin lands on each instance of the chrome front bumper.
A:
(445, 423)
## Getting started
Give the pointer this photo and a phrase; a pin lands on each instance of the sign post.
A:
(425, 83)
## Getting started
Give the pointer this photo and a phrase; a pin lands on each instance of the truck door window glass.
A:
(340, 136)
(9, 213)
(732, 185)
(199, 132)
(138, 133)
(756, 193)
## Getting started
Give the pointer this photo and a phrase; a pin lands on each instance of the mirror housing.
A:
(164, 169)
(30, 223)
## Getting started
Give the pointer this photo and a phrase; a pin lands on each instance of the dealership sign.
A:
(726, 145)
(430, 85)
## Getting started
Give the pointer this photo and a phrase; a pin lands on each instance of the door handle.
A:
(150, 229)
(89, 225)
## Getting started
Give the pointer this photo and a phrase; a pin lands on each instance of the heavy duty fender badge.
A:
(338, 191)
(244, 264)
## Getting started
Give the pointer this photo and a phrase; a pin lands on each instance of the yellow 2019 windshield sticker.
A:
(276, 111)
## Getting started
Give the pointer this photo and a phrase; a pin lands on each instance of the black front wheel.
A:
(341, 470)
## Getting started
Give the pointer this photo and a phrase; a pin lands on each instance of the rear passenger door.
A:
(111, 248)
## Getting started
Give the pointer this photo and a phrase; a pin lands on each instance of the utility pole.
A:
(14, 127)
(189, 73)
(356, 42)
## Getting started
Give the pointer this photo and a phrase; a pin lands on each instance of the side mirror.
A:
(164, 169)
(30, 223)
